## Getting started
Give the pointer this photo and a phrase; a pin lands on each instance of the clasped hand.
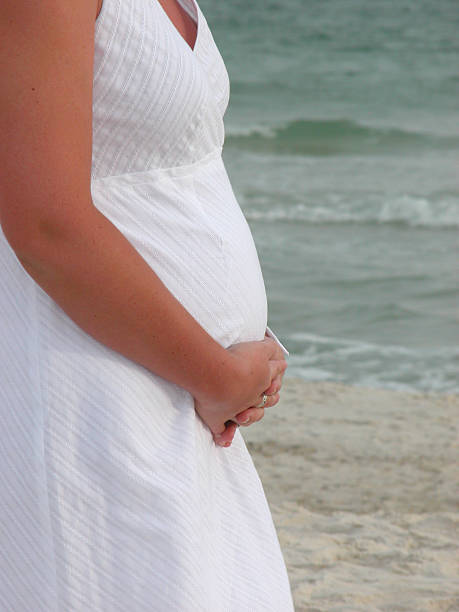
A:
(257, 368)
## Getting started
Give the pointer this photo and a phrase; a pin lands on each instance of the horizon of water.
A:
(342, 145)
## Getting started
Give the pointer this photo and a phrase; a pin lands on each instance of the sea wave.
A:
(337, 137)
(439, 212)
(316, 357)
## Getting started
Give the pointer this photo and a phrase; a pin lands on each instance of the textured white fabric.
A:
(114, 497)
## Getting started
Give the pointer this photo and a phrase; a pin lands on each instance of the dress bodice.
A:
(140, 61)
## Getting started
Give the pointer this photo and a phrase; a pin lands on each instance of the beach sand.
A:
(363, 485)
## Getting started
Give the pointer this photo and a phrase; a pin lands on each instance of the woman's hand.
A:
(251, 415)
(257, 368)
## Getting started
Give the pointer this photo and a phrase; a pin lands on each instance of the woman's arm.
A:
(66, 245)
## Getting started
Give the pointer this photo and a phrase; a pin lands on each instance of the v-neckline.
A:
(198, 24)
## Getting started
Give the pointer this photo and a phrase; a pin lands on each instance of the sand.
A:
(363, 485)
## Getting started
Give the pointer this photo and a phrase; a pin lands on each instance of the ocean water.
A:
(342, 144)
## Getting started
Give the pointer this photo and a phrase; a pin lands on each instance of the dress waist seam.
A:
(132, 178)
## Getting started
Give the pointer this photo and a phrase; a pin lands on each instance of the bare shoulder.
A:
(46, 76)
(30, 12)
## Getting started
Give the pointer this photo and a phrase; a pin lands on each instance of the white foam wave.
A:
(315, 357)
(413, 211)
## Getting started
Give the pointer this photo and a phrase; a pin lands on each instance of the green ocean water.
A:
(342, 145)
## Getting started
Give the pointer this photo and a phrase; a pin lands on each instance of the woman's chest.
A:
(156, 101)
(180, 14)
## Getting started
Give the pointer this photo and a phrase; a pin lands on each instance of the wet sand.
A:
(363, 485)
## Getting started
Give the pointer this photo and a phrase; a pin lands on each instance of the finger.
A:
(272, 400)
(277, 367)
(275, 351)
(255, 413)
(226, 437)
(282, 375)
(249, 416)
(275, 385)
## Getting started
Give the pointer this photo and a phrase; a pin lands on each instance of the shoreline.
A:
(362, 484)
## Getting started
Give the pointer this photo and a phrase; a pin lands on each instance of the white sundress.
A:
(114, 497)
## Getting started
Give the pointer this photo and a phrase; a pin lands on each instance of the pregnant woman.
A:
(132, 321)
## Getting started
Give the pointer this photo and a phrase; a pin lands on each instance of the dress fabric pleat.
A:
(114, 497)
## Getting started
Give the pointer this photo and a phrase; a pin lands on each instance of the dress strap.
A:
(190, 7)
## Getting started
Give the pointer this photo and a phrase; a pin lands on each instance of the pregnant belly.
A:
(191, 231)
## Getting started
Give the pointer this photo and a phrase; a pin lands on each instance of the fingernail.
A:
(217, 436)
(246, 421)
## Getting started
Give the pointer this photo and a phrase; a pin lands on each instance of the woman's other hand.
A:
(257, 369)
(251, 415)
